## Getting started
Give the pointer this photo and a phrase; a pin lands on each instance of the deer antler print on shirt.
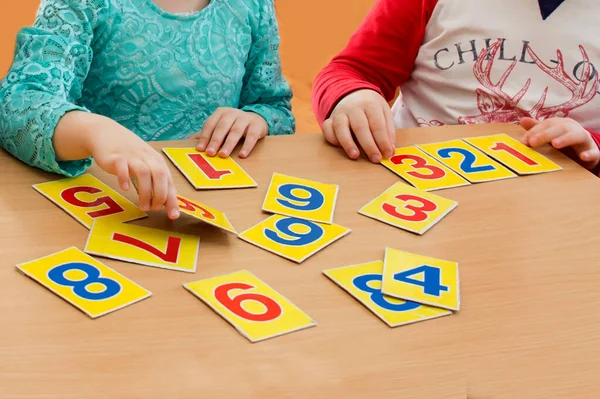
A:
(495, 105)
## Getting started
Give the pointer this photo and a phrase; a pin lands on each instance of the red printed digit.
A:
(70, 196)
(419, 163)
(419, 212)
(207, 168)
(520, 156)
(170, 255)
(188, 205)
(272, 308)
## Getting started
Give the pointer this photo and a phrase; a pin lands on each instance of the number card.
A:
(255, 309)
(300, 198)
(467, 161)
(292, 238)
(363, 282)
(206, 214)
(86, 198)
(421, 279)
(204, 172)
(513, 154)
(144, 246)
(408, 208)
(422, 170)
(84, 282)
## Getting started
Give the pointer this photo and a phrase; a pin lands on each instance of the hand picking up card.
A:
(86, 198)
(408, 208)
(363, 282)
(84, 282)
(292, 238)
(255, 309)
(205, 172)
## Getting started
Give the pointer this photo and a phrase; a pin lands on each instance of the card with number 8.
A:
(363, 282)
(408, 208)
(255, 309)
(84, 282)
(422, 170)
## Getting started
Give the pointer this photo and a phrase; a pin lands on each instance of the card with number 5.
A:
(408, 208)
(363, 282)
(422, 170)
(255, 309)
(86, 198)
(84, 282)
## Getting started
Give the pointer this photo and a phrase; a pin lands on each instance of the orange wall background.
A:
(312, 31)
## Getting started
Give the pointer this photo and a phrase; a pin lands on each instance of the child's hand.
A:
(366, 114)
(233, 124)
(562, 133)
(122, 153)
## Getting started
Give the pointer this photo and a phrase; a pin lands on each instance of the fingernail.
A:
(243, 154)
(376, 158)
(211, 150)
(125, 186)
(224, 154)
(353, 152)
(174, 214)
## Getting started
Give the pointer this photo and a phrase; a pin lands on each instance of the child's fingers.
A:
(233, 138)
(140, 170)
(391, 127)
(378, 127)
(208, 128)
(252, 136)
(172, 203)
(568, 139)
(360, 126)
(341, 129)
(328, 132)
(160, 183)
(222, 129)
(591, 155)
(122, 172)
(527, 124)
(545, 136)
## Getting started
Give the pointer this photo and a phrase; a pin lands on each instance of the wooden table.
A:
(529, 325)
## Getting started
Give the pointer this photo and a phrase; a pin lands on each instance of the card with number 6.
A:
(255, 309)
(84, 282)
(408, 208)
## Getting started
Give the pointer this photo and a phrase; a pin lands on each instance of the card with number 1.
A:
(255, 309)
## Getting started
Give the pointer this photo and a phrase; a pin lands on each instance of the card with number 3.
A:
(255, 309)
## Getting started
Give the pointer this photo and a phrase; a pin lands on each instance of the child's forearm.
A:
(74, 134)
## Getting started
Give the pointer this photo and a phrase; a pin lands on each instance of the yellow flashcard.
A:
(204, 172)
(422, 170)
(363, 282)
(467, 161)
(421, 279)
(144, 246)
(84, 282)
(408, 208)
(513, 154)
(206, 214)
(86, 198)
(255, 309)
(292, 238)
(300, 198)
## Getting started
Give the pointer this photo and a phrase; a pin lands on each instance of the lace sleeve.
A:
(52, 59)
(265, 90)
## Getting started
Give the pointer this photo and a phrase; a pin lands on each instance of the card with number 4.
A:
(422, 170)
(408, 208)
(144, 246)
(86, 198)
(301, 198)
(363, 282)
(84, 282)
(205, 172)
(515, 155)
(255, 309)
(421, 279)
(292, 238)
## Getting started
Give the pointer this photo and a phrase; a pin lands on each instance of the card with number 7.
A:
(255, 309)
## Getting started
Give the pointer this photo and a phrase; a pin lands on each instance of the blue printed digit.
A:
(111, 287)
(299, 239)
(432, 279)
(468, 160)
(314, 201)
(362, 283)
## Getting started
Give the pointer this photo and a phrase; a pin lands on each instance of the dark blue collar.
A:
(547, 7)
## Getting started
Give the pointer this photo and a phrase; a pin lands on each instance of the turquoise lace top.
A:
(158, 74)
